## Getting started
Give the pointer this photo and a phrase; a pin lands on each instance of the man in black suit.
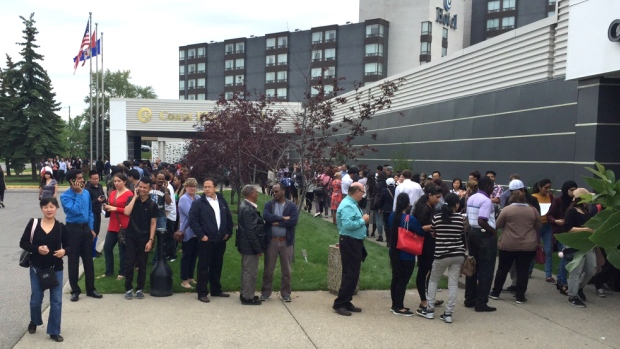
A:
(211, 220)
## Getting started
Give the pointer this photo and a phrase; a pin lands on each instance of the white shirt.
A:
(364, 181)
(413, 189)
(215, 204)
(346, 183)
(171, 210)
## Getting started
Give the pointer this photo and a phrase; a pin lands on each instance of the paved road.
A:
(21, 205)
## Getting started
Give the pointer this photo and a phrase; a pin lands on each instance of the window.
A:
(328, 89)
(282, 76)
(239, 80)
(316, 73)
(201, 67)
(550, 13)
(229, 80)
(373, 69)
(282, 59)
(282, 42)
(228, 95)
(427, 28)
(270, 77)
(270, 60)
(181, 70)
(240, 63)
(270, 43)
(508, 22)
(374, 30)
(181, 97)
(201, 83)
(200, 96)
(191, 68)
(181, 55)
(493, 6)
(374, 50)
(281, 92)
(330, 72)
(444, 51)
(551, 3)
(444, 33)
(317, 37)
(229, 64)
(240, 47)
(317, 55)
(201, 52)
(191, 97)
(191, 53)
(492, 24)
(191, 84)
(425, 48)
(182, 85)
(330, 35)
(330, 54)
(508, 5)
(270, 92)
(230, 49)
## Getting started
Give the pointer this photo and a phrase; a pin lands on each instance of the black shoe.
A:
(94, 294)
(221, 294)
(510, 289)
(576, 302)
(484, 308)
(521, 300)
(56, 337)
(254, 301)
(342, 311)
(353, 309)
(32, 328)
(380, 239)
(75, 297)
(469, 304)
(494, 295)
(581, 295)
(563, 289)
(438, 302)
(372, 235)
(204, 299)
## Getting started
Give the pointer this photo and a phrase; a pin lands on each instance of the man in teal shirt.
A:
(352, 230)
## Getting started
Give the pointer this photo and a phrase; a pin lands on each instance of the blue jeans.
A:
(562, 270)
(36, 299)
(547, 238)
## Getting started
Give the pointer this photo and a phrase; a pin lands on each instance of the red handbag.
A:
(408, 241)
(540, 255)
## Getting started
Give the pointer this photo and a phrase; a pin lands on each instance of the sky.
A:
(144, 36)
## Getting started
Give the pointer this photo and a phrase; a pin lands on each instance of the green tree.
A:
(11, 127)
(605, 224)
(73, 138)
(36, 105)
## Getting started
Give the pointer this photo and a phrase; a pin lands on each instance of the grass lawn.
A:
(312, 234)
(26, 180)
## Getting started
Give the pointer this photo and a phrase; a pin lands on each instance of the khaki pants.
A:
(277, 248)
(249, 273)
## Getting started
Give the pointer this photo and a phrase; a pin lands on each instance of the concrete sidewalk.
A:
(545, 321)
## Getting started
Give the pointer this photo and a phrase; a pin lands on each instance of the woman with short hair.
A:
(47, 243)
(190, 241)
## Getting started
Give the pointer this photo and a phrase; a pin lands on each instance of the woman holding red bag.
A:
(402, 262)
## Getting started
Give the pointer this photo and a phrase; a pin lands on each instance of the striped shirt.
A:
(449, 236)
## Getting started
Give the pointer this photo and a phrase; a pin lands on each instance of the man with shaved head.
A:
(352, 229)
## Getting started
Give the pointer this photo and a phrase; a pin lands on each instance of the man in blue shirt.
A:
(80, 222)
(352, 230)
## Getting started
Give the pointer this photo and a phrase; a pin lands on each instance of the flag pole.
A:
(100, 51)
(97, 116)
(90, 88)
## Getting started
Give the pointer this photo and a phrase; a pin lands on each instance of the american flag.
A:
(85, 43)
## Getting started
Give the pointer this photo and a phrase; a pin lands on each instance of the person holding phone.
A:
(80, 230)
(97, 198)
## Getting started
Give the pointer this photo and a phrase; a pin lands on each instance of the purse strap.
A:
(35, 221)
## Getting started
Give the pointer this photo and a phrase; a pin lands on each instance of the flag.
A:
(85, 42)
(95, 51)
(85, 52)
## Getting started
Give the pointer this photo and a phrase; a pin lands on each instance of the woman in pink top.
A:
(336, 194)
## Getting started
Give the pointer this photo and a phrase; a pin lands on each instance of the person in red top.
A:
(336, 195)
(116, 207)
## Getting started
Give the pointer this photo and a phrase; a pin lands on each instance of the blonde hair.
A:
(191, 182)
(337, 175)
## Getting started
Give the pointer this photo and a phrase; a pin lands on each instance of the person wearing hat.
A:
(577, 215)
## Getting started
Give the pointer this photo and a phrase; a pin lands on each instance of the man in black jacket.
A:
(211, 220)
(97, 198)
(250, 243)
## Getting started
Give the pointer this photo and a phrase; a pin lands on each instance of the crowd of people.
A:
(454, 221)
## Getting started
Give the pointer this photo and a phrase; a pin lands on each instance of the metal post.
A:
(90, 88)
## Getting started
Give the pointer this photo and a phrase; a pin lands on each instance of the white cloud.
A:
(144, 36)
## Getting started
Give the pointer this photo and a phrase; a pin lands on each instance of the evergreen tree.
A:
(11, 127)
(36, 105)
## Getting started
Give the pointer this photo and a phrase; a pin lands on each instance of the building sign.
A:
(613, 33)
(443, 15)
(145, 115)
(447, 4)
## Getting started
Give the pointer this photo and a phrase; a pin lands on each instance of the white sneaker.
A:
(447, 318)
(317, 214)
(600, 293)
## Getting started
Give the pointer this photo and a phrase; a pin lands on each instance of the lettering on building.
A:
(146, 115)
(445, 19)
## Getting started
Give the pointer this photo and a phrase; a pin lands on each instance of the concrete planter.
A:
(334, 270)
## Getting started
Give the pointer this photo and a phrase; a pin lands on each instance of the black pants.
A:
(97, 222)
(188, 260)
(81, 242)
(425, 264)
(351, 254)
(210, 262)
(522, 260)
(386, 225)
(135, 255)
(483, 247)
(169, 244)
(61, 176)
(609, 275)
(400, 279)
